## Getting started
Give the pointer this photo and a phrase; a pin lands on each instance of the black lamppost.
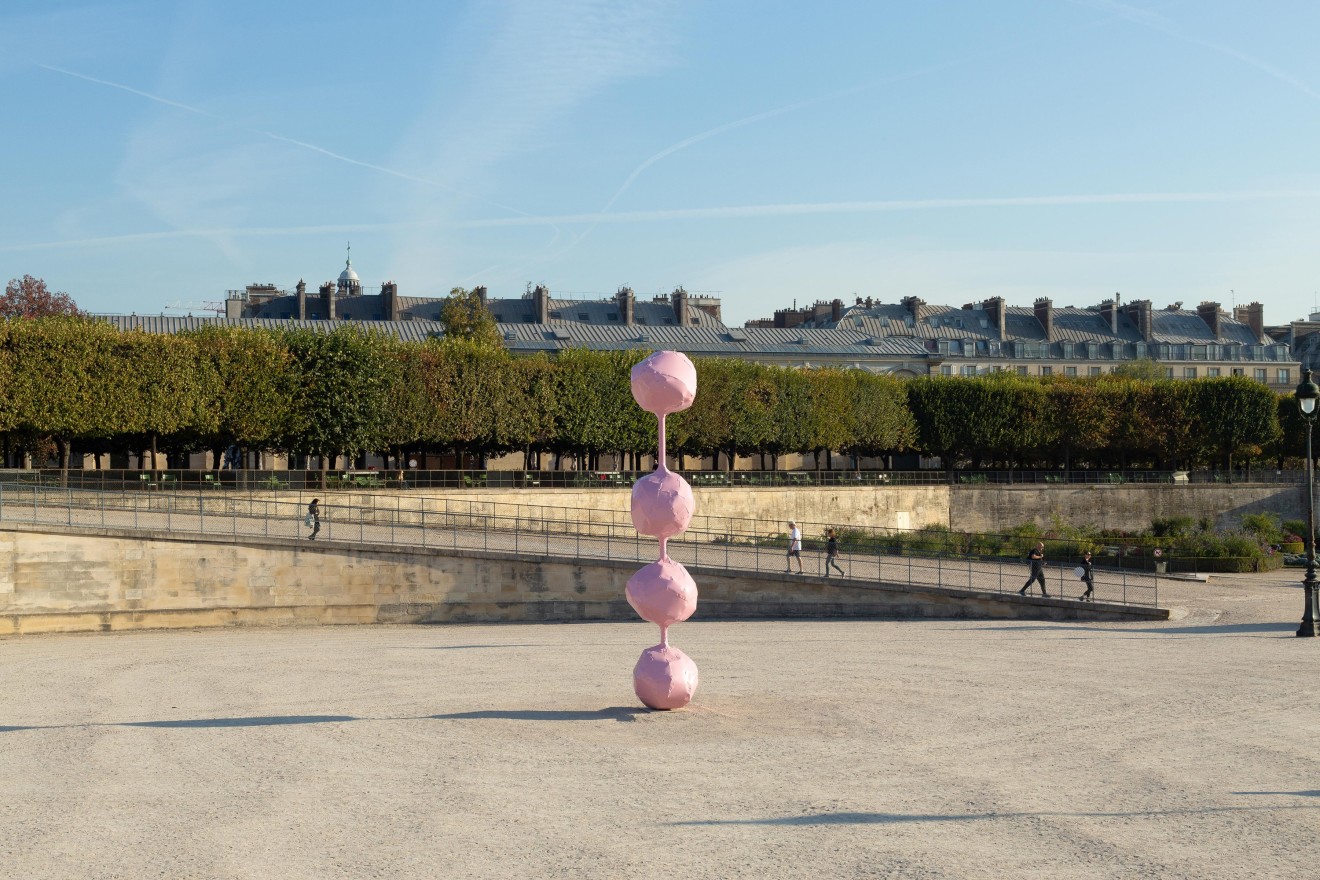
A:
(1306, 395)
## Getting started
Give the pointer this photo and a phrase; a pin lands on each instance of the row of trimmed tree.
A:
(86, 387)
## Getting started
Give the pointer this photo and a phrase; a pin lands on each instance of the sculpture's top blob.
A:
(664, 383)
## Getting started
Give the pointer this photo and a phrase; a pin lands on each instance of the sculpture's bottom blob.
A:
(665, 677)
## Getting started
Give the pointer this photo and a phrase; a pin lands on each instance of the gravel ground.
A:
(813, 749)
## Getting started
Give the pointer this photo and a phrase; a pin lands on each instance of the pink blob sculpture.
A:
(663, 592)
(664, 383)
(662, 504)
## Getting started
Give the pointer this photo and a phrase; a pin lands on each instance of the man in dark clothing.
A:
(314, 518)
(1088, 578)
(1037, 560)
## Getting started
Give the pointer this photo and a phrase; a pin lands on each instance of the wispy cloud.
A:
(891, 205)
(274, 136)
(433, 225)
(1150, 19)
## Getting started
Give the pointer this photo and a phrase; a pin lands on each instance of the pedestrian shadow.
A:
(1311, 793)
(842, 818)
(613, 713)
(1273, 626)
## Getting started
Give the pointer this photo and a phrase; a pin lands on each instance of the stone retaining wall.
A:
(104, 579)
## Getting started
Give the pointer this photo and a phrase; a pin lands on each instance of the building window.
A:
(946, 370)
(1260, 375)
(1067, 349)
(1237, 371)
(1168, 372)
(1070, 372)
(1189, 372)
(1284, 377)
(1047, 371)
(1212, 372)
(1091, 349)
(969, 370)
(1095, 371)
(1022, 371)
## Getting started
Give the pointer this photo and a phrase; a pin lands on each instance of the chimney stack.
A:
(627, 303)
(680, 300)
(480, 291)
(328, 300)
(1109, 310)
(914, 305)
(389, 294)
(541, 300)
(1138, 312)
(1044, 309)
(836, 310)
(301, 295)
(1209, 312)
(998, 314)
(1253, 316)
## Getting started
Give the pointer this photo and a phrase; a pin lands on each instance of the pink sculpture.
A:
(663, 592)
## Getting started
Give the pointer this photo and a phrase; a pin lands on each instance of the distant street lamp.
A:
(1306, 395)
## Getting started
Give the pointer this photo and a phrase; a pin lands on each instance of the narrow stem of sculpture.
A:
(660, 461)
(664, 548)
(664, 636)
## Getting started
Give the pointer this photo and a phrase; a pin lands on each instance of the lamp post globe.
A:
(1307, 394)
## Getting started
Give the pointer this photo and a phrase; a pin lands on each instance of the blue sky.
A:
(160, 153)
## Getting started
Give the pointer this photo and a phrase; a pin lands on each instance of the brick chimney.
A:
(627, 304)
(994, 307)
(680, 301)
(915, 305)
(1044, 310)
(541, 301)
(328, 300)
(836, 310)
(389, 294)
(1253, 316)
(300, 293)
(1138, 312)
(1109, 311)
(1209, 312)
(480, 291)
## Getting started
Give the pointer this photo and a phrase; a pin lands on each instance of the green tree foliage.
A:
(466, 317)
(1143, 370)
(1233, 413)
(877, 414)
(341, 402)
(66, 381)
(168, 388)
(253, 386)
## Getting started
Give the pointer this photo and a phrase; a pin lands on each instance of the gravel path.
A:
(1182, 749)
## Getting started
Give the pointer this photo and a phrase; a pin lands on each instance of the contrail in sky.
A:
(279, 137)
(1157, 22)
(890, 205)
(784, 210)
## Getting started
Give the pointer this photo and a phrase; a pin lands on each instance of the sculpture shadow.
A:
(612, 713)
(1311, 793)
(1273, 626)
(254, 721)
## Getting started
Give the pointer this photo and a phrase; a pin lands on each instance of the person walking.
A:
(832, 553)
(1088, 578)
(1036, 558)
(794, 546)
(314, 518)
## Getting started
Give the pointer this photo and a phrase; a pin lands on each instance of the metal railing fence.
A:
(279, 480)
(722, 543)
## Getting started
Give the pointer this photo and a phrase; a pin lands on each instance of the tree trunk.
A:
(63, 446)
